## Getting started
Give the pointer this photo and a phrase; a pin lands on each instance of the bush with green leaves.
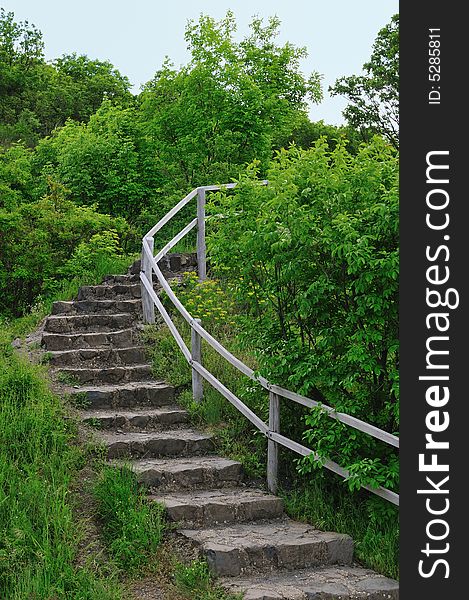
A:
(43, 242)
(313, 258)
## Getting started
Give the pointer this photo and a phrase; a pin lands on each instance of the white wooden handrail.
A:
(150, 300)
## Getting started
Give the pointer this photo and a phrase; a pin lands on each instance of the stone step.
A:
(173, 262)
(116, 291)
(109, 375)
(192, 473)
(125, 395)
(283, 544)
(127, 278)
(210, 507)
(76, 307)
(95, 357)
(322, 583)
(140, 418)
(73, 341)
(99, 323)
(177, 442)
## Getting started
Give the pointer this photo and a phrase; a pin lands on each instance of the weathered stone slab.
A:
(125, 395)
(109, 292)
(177, 442)
(75, 341)
(211, 507)
(322, 583)
(98, 356)
(282, 544)
(96, 306)
(110, 375)
(196, 472)
(89, 323)
(138, 418)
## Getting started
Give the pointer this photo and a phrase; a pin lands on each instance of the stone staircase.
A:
(93, 347)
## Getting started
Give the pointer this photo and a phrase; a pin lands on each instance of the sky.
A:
(135, 36)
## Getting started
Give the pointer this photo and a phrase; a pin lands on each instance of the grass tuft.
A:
(133, 527)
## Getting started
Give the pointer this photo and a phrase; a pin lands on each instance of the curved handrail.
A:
(150, 300)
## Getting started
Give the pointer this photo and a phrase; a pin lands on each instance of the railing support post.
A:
(272, 447)
(196, 354)
(147, 303)
(201, 248)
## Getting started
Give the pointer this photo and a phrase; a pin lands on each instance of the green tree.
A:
(21, 53)
(228, 105)
(36, 97)
(101, 162)
(374, 96)
(16, 177)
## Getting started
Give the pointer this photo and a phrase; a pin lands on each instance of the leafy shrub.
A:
(103, 245)
(313, 260)
(37, 239)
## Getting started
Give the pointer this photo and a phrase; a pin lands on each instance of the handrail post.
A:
(147, 303)
(196, 354)
(272, 447)
(201, 247)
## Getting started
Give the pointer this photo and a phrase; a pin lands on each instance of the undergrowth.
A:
(195, 582)
(39, 533)
(132, 527)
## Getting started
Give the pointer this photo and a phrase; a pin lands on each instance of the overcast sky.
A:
(136, 35)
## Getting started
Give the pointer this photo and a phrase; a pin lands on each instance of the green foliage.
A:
(133, 527)
(374, 97)
(36, 97)
(313, 259)
(196, 583)
(46, 244)
(102, 163)
(205, 300)
(228, 105)
(40, 535)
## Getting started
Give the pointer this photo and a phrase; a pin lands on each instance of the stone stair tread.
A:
(155, 443)
(220, 505)
(280, 544)
(182, 433)
(261, 534)
(110, 374)
(328, 583)
(97, 306)
(125, 395)
(83, 334)
(89, 322)
(186, 472)
(98, 357)
(110, 291)
(128, 414)
(112, 387)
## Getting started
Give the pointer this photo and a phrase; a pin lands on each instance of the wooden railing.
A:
(193, 356)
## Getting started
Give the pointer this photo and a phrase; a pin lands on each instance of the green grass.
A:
(133, 527)
(195, 582)
(39, 533)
